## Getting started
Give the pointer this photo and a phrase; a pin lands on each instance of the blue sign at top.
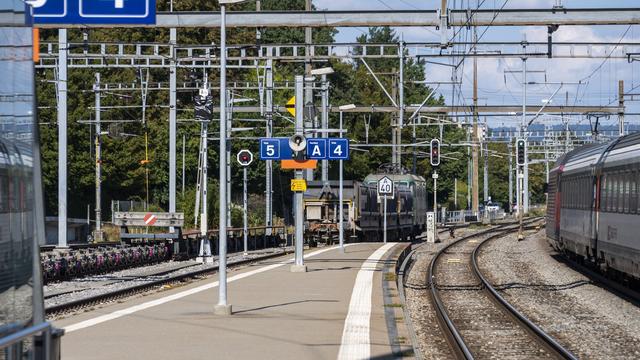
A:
(103, 12)
(317, 149)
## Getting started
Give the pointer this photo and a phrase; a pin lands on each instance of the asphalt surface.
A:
(277, 314)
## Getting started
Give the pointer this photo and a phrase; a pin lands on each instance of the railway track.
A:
(140, 288)
(477, 321)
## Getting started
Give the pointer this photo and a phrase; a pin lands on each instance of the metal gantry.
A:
(172, 56)
(418, 18)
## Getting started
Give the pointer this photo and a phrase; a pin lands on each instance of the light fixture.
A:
(322, 71)
(347, 107)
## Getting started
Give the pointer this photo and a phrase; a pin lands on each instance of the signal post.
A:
(521, 155)
(298, 144)
(245, 158)
(435, 162)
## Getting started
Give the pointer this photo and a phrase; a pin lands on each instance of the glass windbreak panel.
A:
(16, 177)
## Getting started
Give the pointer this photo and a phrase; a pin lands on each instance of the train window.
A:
(584, 190)
(621, 193)
(612, 181)
(617, 205)
(626, 193)
(586, 198)
(637, 176)
(633, 192)
(613, 203)
(581, 191)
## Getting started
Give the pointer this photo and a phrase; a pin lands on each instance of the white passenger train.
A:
(593, 208)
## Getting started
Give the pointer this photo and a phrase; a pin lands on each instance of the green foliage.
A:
(124, 176)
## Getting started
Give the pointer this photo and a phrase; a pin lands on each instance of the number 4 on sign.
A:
(339, 149)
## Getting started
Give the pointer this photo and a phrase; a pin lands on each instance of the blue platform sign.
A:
(103, 12)
(317, 149)
(270, 149)
(338, 149)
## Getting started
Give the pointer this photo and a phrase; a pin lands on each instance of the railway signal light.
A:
(245, 158)
(435, 152)
(521, 149)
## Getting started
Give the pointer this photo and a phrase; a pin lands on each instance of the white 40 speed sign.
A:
(385, 186)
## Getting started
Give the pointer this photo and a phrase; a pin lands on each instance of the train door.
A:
(557, 204)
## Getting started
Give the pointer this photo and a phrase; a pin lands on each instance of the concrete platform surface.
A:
(335, 310)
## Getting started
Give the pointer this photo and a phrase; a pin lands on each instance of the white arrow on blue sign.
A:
(317, 149)
(338, 149)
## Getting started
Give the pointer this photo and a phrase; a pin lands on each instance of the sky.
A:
(599, 78)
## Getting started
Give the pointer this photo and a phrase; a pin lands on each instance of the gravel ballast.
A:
(431, 343)
(587, 319)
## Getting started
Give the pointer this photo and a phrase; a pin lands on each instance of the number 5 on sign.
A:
(338, 149)
(269, 149)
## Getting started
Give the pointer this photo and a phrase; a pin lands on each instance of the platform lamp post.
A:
(223, 308)
(340, 195)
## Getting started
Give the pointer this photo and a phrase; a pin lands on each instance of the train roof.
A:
(622, 151)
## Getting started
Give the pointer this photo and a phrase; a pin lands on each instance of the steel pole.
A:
(244, 210)
(298, 196)
(269, 163)
(340, 201)
(204, 188)
(486, 173)
(400, 125)
(475, 175)
(308, 92)
(62, 138)
(223, 308)
(325, 126)
(510, 178)
(455, 193)
(621, 105)
(228, 165)
(435, 202)
(98, 234)
(183, 165)
(384, 220)
(172, 125)
(520, 208)
(525, 170)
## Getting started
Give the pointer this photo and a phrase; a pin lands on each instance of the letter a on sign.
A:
(317, 149)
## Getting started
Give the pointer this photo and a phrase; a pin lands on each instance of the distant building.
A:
(78, 230)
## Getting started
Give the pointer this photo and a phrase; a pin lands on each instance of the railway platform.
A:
(345, 306)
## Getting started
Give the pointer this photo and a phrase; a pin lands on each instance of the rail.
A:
(451, 332)
(453, 335)
(548, 339)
